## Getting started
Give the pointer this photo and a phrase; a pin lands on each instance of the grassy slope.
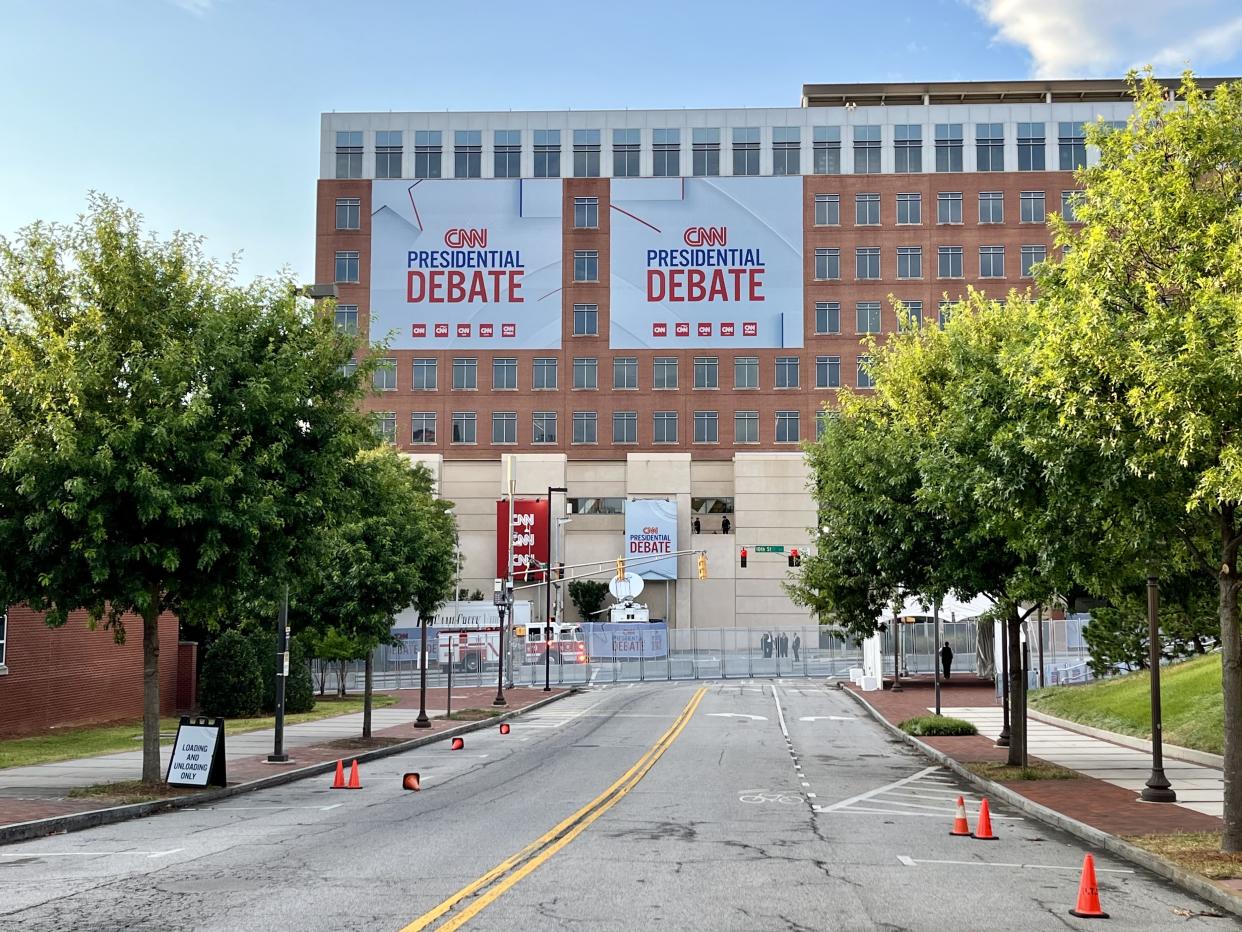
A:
(1191, 701)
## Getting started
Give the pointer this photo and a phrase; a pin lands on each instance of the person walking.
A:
(725, 525)
(698, 528)
(797, 644)
(765, 644)
(946, 658)
(784, 644)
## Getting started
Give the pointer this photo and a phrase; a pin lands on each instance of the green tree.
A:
(232, 686)
(587, 596)
(1141, 348)
(165, 434)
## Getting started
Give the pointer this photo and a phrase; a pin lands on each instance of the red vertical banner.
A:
(528, 529)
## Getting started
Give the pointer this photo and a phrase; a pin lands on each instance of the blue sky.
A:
(204, 114)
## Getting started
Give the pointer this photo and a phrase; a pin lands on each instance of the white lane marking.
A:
(87, 854)
(901, 812)
(779, 714)
(829, 718)
(878, 790)
(912, 862)
(758, 718)
(595, 674)
(259, 808)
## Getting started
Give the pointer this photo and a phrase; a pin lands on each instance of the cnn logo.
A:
(462, 238)
(706, 236)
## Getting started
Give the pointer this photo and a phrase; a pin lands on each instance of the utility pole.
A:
(1157, 789)
(936, 649)
(278, 755)
(547, 614)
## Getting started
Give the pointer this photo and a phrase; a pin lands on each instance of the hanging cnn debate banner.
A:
(651, 530)
(466, 263)
(529, 529)
(699, 262)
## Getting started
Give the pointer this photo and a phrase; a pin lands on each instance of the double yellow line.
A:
(508, 872)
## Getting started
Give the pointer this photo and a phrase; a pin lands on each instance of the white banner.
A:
(613, 641)
(651, 530)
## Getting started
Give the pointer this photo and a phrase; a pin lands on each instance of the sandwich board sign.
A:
(198, 754)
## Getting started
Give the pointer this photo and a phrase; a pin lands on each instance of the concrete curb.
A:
(1187, 755)
(75, 822)
(1189, 882)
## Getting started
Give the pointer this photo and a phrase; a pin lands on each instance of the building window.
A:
(945, 311)
(864, 372)
(544, 427)
(866, 210)
(625, 427)
(465, 427)
(991, 261)
(1032, 207)
(348, 211)
(1072, 146)
(586, 372)
(1031, 147)
(949, 207)
(545, 372)
(746, 427)
(625, 372)
(913, 312)
(706, 427)
(664, 373)
(586, 320)
(504, 427)
(827, 210)
(388, 153)
(909, 261)
(586, 427)
(504, 373)
(626, 152)
(908, 148)
(746, 372)
(827, 317)
(596, 506)
(465, 373)
(423, 427)
(664, 427)
(586, 265)
(787, 427)
(706, 157)
(950, 262)
(349, 154)
(786, 148)
(468, 153)
(386, 426)
(867, 263)
(706, 372)
(910, 208)
(746, 150)
(666, 153)
(586, 213)
(507, 151)
(346, 318)
(423, 377)
(990, 147)
(586, 153)
(385, 376)
(866, 150)
(822, 418)
(1068, 201)
(349, 370)
(827, 264)
(1031, 255)
(991, 207)
(867, 317)
(827, 371)
(347, 267)
(547, 153)
(948, 147)
(826, 150)
(787, 372)
(427, 153)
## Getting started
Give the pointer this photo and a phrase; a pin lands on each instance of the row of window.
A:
(949, 262)
(585, 426)
(947, 144)
(424, 372)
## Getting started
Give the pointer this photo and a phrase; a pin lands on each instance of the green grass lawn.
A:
(68, 743)
(1191, 701)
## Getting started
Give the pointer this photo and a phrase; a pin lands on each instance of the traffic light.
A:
(620, 567)
(560, 571)
(702, 566)
(795, 558)
(743, 558)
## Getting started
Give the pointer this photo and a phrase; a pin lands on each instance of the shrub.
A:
(299, 688)
(937, 725)
(231, 687)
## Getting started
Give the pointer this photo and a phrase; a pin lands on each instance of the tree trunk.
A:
(340, 678)
(151, 690)
(1231, 677)
(366, 698)
(1017, 689)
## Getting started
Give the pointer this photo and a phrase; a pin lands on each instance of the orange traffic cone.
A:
(411, 781)
(339, 782)
(459, 743)
(1088, 893)
(353, 777)
(983, 828)
(504, 728)
(960, 825)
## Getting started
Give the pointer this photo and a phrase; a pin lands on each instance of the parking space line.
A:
(914, 862)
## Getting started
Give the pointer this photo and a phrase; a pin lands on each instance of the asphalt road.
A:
(648, 806)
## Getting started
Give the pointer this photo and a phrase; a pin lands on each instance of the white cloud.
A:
(1102, 38)
(197, 7)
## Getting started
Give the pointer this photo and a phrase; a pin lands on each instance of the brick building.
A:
(669, 298)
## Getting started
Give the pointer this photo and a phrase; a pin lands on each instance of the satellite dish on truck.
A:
(626, 587)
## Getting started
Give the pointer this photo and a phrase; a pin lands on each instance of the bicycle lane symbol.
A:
(762, 797)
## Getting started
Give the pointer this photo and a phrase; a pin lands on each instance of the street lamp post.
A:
(500, 597)
(547, 612)
(1157, 789)
(896, 652)
(422, 721)
(936, 649)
